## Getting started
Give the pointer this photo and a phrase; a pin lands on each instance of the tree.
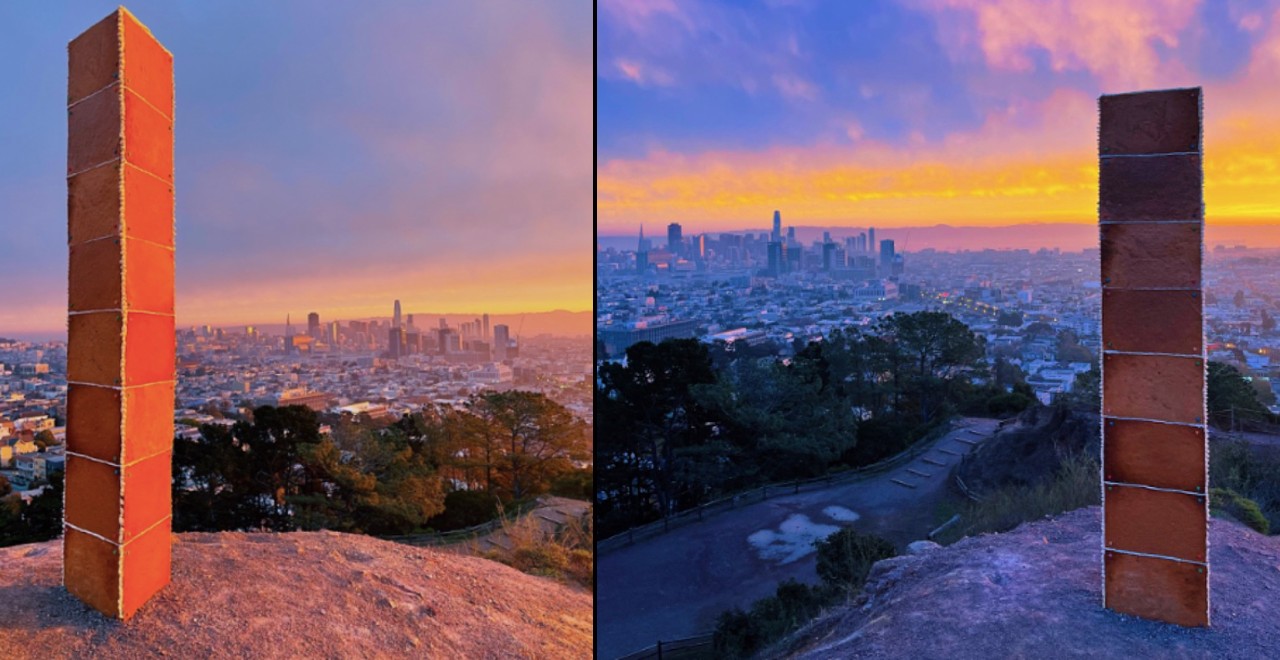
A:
(1232, 400)
(44, 439)
(938, 347)
(1070, 350)
(538, 439)
(1010, 318)
(646, 410)
(787, 416)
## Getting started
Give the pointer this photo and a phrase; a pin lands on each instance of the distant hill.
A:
(1069, 237)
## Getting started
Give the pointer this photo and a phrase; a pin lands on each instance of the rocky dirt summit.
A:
(1035, 592)
(299, 595)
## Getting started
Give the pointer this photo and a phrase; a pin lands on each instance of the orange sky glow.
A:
(1033, 161)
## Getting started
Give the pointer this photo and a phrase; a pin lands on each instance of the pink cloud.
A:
(1115, 40)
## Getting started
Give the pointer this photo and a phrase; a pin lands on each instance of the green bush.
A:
(845, 558)
(742, 634)
(1241, 508)
(1008, 403)
(575, 484)
(465, 508)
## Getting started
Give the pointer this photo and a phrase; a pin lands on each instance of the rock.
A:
(921, 547)
(257, 595)
(1013, 595)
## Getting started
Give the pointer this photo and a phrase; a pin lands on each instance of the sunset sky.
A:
(914, 112)
(330, 157)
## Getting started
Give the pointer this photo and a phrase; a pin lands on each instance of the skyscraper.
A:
(777, 226)
(409, 321)
(500, 342)
(886, 257)
(333, 333)
(396, 322)
(486, 327)
(313, 325)
(674, 238)
(775, 257)
(871, 239)
(396, 341)
(642, 253)
(791, 235)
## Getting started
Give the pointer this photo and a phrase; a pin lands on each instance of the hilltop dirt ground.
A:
(299, 595)
(1035, 592)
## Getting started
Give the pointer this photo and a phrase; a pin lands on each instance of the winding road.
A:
(675, 585)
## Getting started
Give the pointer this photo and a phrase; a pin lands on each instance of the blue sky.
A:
(329, 156)
(712, 111)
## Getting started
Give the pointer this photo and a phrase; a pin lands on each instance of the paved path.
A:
(675, 584)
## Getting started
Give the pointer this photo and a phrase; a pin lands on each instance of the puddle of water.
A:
(841, 514)
(792, 540)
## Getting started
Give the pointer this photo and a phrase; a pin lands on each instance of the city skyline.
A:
(936, 111)
(329, 158)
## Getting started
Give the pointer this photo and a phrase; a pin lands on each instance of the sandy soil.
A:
(299, 595)
(1035, 592)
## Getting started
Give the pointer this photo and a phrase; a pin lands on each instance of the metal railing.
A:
(465, 534)
(688, 648)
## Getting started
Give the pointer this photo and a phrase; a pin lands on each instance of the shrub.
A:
(742, 634)
(546, 559)
(465, 508)
(1075, 485)
(1241, 508)
(845, 558)
(575, 484)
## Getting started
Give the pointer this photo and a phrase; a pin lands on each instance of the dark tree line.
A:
(683, 423)
(441, 469)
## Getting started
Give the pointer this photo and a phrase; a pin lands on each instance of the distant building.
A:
(313, 325)
(501, 342)
(776, 236)
(396, 341)
(301, 396)
(396, 315)
(775, 263)
(674, 238)
(617, 340)
(871, 239)
(486, 327)
(886, 256)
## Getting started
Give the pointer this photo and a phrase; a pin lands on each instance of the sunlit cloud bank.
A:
(332, 159)
(992, 123)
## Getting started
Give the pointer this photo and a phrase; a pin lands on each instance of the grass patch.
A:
(1240, 508)
(1075, 485)
(566, 554)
